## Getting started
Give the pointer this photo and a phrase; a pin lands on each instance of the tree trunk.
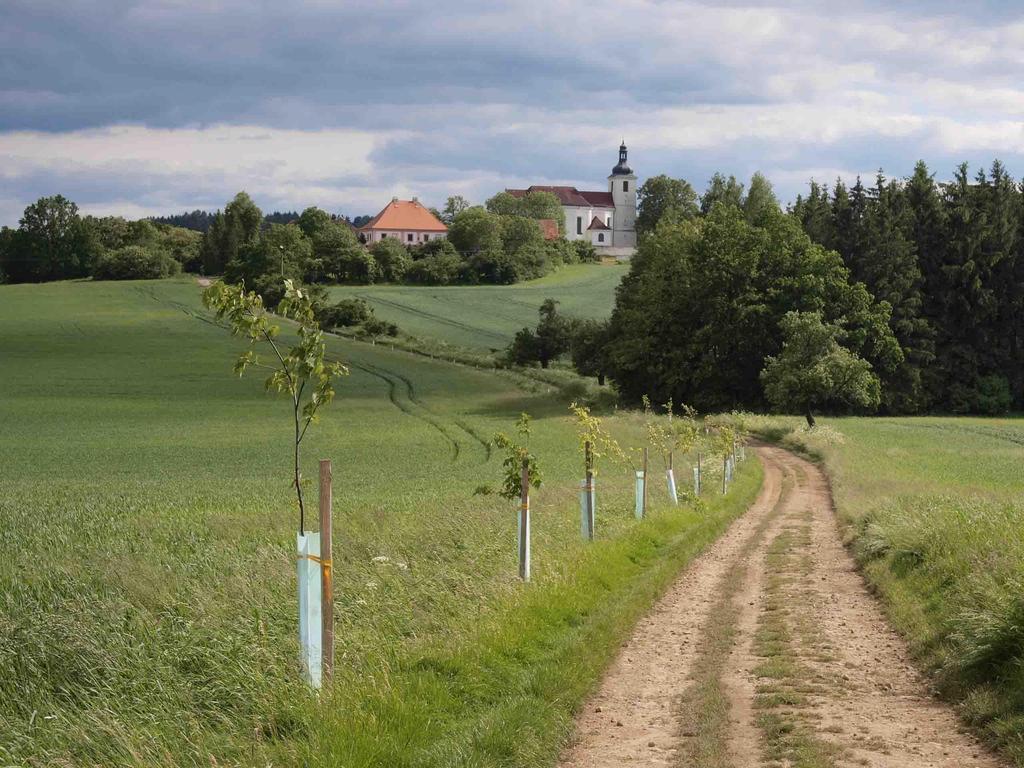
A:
(810, 419)
(600, 379)
(544, 363)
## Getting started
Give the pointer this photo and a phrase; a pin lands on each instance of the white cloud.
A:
(235, 153)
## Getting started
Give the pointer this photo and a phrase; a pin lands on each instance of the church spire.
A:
(622, 169)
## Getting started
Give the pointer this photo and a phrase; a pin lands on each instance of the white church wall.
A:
(577, 215)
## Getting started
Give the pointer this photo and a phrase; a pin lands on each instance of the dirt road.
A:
(768, 650)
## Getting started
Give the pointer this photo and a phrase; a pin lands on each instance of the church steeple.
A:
(622, 169)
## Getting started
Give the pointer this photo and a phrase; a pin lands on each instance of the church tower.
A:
(622, 185)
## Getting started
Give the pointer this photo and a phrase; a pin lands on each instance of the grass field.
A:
(486, 317)
(147, 610)
(935, 508)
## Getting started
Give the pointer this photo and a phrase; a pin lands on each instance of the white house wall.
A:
(403, 236)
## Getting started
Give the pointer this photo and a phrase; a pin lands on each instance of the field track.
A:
(769, 650)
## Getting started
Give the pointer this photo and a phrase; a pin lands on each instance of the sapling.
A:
(721, 438)
(520, 472)
(300, 370)
(595, 443)
(667, 436)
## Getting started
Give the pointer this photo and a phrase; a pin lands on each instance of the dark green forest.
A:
(923, 280)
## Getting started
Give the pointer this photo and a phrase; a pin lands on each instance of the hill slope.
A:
(486, 317)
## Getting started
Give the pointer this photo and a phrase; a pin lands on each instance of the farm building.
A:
(605, 218)
(408, 221)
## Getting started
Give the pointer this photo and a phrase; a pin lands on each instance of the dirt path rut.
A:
(769, 651)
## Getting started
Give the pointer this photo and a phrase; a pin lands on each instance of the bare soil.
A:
(814, 675)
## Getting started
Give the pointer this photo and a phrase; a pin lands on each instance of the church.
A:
(606, 219)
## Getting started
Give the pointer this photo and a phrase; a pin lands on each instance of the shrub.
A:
(440, 246)
(585, 251)
(560, 252)
(373, 329)
(994, 396)
(345, 313)
(990, 395)
(442, 269)
(134, 262)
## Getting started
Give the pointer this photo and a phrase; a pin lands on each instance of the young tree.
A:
(589, 349)
(551, 339)
(813, 370)
(301, 371)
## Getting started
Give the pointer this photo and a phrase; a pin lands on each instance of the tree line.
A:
(907, 296)
(54, 242)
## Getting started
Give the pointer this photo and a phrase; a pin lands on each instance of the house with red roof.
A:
(407, 221)
(605, 218)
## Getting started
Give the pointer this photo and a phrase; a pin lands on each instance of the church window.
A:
(625, 186)
(410, 237)
(579, 225)
(600, 237)
(425, 238)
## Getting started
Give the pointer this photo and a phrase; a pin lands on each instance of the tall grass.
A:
(934, 511)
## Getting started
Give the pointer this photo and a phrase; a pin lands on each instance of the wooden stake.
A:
(326, 575)
(643, 505)
(524, 522)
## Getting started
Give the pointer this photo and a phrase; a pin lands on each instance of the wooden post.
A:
(670, 459)
(326, 575)
(524, 522)
(588, 460)
(643, 506)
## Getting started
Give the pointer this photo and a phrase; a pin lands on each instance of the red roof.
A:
(597, 224)
(405, 215)
(570, 196)
(548, 228)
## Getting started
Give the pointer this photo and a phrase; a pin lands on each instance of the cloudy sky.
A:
(158, 106)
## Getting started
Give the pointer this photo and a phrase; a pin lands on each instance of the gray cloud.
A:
(468, 97)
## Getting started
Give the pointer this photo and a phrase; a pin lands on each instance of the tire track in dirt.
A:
(814, 675)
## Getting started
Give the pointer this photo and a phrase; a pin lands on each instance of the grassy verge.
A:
(932, 509)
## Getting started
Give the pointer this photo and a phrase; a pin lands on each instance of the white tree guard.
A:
(670, 478)
(310, 622)
(523, 541)
(639, 512)
(585, 522)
